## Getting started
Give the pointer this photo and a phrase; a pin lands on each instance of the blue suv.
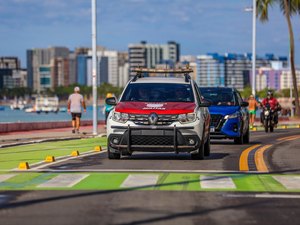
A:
(229, 114)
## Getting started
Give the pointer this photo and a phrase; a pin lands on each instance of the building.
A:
(149, 55)
(233, 70)
(47, 68)
(11, 75)
(210, 70)
(286, 79)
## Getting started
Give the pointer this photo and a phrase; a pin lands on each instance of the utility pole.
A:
(94, 65)
(254, 47)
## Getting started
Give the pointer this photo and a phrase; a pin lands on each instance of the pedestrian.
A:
(253, 104)
(75, 105)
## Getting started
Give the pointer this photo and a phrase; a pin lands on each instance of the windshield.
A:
(153, 92)
(219, 96)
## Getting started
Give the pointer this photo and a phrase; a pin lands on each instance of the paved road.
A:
(158, 206)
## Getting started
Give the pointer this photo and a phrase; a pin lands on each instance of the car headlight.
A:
(231, 116)
(120, 117)
(187, 118)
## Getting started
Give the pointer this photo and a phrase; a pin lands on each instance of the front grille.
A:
(143, 119)
(216, 120)
(152, 140)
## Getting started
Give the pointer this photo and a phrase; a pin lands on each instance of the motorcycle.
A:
(268, 118)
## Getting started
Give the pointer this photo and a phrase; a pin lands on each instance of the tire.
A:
(207, 146)
(246, 137)
(266, 125)
(112, 155)
(199, 155)
(271, 128)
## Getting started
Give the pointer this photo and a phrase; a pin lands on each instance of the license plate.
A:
(212, 129)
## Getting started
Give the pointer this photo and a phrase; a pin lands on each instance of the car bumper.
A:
(153, 139)
(231, 129)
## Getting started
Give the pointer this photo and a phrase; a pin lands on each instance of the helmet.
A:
(109, 95)
(269, 93)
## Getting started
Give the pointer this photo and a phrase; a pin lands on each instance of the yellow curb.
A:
(23, 166)
(50, 159)
(98, 148)
(75, 153)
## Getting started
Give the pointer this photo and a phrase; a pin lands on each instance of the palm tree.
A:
(288, 8)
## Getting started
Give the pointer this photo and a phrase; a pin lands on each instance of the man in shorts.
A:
(75, 105)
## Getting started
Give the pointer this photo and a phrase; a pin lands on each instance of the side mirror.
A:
(111, 101)
(244, 104)
(205, 104)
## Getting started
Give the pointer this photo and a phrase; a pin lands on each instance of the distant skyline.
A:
(199, 26)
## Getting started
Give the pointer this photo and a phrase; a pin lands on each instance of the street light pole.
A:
(94, 65)
(254, 47)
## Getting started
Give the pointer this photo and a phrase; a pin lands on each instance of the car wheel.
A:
(199, 155)
(112, 155)
(246, 137)
(239, 140)
(207, 146)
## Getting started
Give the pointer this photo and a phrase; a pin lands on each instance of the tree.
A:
(288, 8)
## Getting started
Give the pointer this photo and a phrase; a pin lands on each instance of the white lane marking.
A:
(5, 177)
(141, 171)
(64, 180)
(218, 182)
(139, 180)
(287, 196)
(289, 182)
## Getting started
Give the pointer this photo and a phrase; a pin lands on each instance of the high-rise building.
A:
(232, 70)
(47, 67)
(11, 75)
(210, 70)
(286, 79)
(149, 55)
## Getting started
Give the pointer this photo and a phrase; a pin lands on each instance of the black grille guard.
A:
(130, 128)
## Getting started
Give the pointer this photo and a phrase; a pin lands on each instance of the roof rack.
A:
(147, 70)
(184, 71)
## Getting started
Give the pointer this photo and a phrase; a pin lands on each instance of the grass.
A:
(33, 153)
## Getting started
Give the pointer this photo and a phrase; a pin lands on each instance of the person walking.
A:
(75, 105)
(253, 104)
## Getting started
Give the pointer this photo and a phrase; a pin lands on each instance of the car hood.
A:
(159, 108)
(223, 110)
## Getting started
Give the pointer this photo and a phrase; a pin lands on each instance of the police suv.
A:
(160, 110)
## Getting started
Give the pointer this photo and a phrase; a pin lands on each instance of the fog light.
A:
(191, 141)
(115, 140)
(235, 127)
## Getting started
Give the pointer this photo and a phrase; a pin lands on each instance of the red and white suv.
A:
(159, 111)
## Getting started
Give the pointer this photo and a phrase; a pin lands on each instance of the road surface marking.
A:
(262, 196)
(290, 182)
(293, 137)
(216, 182)
(244, 158)
(259, 159)
(140, 180)
(64, 180)
(5, 177)
(64, 159)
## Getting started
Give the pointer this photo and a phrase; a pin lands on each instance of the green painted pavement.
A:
(11, 157)
(165, 182)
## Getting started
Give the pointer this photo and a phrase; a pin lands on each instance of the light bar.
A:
(147, 70)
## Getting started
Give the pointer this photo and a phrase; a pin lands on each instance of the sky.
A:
(200, 26)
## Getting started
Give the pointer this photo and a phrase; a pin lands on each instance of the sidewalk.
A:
(34, 136)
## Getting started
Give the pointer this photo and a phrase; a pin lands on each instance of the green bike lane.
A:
(11, 179)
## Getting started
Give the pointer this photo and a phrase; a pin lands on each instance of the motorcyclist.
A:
(274, 105)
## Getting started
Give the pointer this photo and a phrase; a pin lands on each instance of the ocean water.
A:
(11, 116)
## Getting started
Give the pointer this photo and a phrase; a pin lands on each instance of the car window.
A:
(153, 92)
(219, 96)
